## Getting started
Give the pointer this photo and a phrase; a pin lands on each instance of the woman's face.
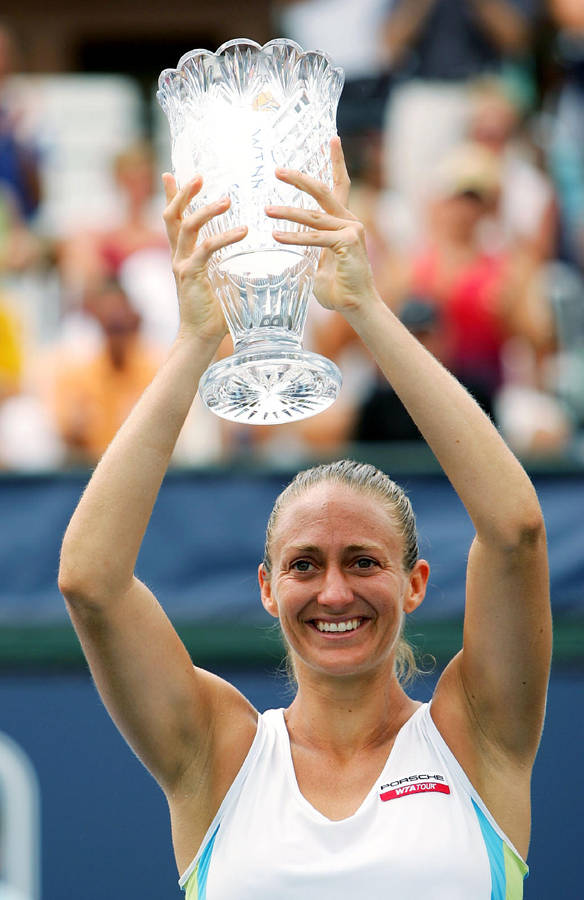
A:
(458, 215)
(338, 584)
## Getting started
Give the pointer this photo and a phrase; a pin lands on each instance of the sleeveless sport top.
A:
(422, 831)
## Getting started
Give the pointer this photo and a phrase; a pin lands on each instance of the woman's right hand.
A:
(200, 310)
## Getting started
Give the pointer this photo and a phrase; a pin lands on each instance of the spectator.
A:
(87, 258)
(531, 418)
(20, 249)
(27, 440)
(19, 162)
(479, 299)
(12, 349)
(541, 409)
(567, 138)
(132, 251)
(20, 183)
(90, 398)
(480, 295)
(526, 217)
(436, 47)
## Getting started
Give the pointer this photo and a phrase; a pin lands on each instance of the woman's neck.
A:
(341, 717)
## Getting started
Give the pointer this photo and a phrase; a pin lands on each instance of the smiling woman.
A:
(356, 789)
(368, 484)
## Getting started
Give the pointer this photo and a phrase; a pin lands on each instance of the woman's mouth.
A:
(342, 625)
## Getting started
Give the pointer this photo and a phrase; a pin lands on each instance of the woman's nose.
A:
(335, 589)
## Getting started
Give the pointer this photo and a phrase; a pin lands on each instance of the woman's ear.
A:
(268, 600)
(416, 589)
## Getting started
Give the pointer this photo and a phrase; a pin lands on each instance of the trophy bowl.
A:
(234, 116)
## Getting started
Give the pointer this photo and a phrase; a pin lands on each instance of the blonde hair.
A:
(370, 480)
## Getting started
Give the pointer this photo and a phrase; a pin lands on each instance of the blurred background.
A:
(463, 127)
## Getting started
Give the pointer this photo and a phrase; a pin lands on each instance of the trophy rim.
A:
(248, 42)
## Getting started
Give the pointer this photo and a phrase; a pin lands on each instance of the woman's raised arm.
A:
(499, 680)
(160, 702)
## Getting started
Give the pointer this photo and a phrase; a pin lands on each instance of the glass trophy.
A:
(234, 116)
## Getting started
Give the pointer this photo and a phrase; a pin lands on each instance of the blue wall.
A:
(201, 516)
(105, 826)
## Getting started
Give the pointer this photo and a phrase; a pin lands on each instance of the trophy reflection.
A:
(234, 116)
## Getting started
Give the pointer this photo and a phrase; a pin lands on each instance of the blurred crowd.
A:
(463, 128)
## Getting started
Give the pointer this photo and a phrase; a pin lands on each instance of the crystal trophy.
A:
(234, 116)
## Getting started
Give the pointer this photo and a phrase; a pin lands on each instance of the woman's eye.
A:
(365, 563)
(301, 565)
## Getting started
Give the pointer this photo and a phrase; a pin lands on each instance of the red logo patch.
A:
(417, 787)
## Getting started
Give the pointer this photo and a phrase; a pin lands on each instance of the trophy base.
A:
(270, 387)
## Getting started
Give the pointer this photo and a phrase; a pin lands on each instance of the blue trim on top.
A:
(494, 845)
(203, 866)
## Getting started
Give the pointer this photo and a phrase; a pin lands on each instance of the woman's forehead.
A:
(331, 506)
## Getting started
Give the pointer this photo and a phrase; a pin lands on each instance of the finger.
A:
(170, 188)
(210, 245)
(312, 217)
(327, 239)
(321, 193)
(182, 198)
(191, 225)
(341, 180)
(177, 204)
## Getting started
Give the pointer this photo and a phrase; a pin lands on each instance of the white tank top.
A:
(422, 831)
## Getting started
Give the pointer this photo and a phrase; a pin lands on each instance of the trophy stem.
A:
(270, 379)
(267, 338)
(264, 293)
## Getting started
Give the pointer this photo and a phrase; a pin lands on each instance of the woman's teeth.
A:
(347, 625)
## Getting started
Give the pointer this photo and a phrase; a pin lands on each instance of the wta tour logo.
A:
(413, 784)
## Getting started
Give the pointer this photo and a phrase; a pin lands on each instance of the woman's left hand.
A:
(344, 280)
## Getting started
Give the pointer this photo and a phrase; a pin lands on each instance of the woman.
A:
(317, 801)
